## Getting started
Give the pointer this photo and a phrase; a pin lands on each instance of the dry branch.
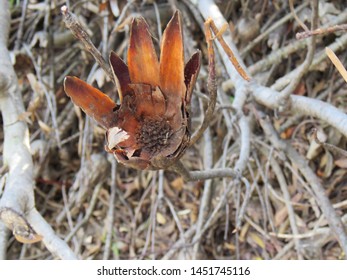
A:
(18, 194)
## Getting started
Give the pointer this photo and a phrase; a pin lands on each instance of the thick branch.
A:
(18, 194)
(266, 96)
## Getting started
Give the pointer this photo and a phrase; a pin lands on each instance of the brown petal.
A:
(191, 72)
(172, 64)
(134, 162)
(148, 101)
(142, 59)
(92, 101)
(121, 72)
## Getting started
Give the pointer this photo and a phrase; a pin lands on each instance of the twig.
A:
(334, 221)
(179, 243)
(157, 15)
(179, 168)
(284, 250)
(218, 34)
(308, 60)
(321, 31)
(152, 223)
(110, 213)
(50, 97)
(216, 210)
(68, 213)
(268, 216)
(245, 144)
(337, 62)
(21, 25)
(284, 187)
(177, 220)
(273, 27)
(4, 235)
(328, 146)
(211, 86)
(242, 210)
(80, 33)
(277, 56)
(304, 106)
(291, 6)
(338, 45)
(88, 214)
(205, 200)
(53, 243)
(92, 172)
(134, 221)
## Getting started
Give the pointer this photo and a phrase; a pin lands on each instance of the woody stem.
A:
(211, 86)
(179, 168)
(80, 33)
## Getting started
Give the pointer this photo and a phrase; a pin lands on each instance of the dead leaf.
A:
(161, 219)
(44, 127)
(177, 184)
(315, 147)
(257, 239)
(342, 162)
(300, 89)
(326, 164)
(280, 216)
(21, 229)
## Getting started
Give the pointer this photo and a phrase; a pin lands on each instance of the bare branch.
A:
(321, 31)
(333, 219)
(18, 194)
(80, 33)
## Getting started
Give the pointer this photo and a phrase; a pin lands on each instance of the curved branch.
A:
(270, 97)
(18, 194)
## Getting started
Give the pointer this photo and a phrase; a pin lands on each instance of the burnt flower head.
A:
(149, 129)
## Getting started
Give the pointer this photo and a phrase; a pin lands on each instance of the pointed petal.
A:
(172, 62)
(148, 101)
(142, 59)
(133, 162)
(121, 72)
(191, 72)
(92, 101)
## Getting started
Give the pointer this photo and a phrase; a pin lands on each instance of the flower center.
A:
(154, 135)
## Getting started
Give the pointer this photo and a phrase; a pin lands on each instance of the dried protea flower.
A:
(149, 129)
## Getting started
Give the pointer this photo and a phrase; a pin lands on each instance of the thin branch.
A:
(218, 34)
(50, 97)
(205, 200)
(284, 187)
(53, 243)
(337, 62)
(211, 86)
(21, 26)
(245, 144)
(339, 45)
(88, 214)
(308, 60)
(291, 6)
(110, 213)
(333, 219)
(275, 57)
(272, 98)
(179, 168)
(328, 146)
(321, 31)
(80, 33)
(273, 27)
